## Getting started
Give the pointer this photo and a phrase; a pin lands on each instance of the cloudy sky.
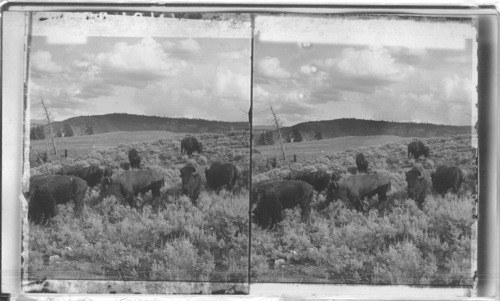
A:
(172, 71)
(397, 70)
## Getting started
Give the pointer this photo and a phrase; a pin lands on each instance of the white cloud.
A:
(189, 45)
(270, 67)
(230, 84)
(372, 62)
(456, 88)
(41, 61)
(138, 64)
(308, 69)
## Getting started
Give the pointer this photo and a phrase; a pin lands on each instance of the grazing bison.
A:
(192, 181)
(361, 163)
(49, 190)
(355, 188)
(222, 174)
(129, 183)
(134, 158)
(107, 171)
(190, 145)
(336, 174)
(92, 174)
(318, 179)
(417, 149)
(419, 183)
(272, 197)
(447, 177)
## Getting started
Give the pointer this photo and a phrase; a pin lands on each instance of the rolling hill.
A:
(357, 127)
(120, 122)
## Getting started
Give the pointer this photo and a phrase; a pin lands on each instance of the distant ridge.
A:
(360, 127)
(130, 123)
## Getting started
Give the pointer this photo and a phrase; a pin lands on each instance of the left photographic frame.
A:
(137, 153)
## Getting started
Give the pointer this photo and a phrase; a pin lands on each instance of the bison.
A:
(127, 184)
(355, 188)
(192, 181)
(447, 177)
(272, 197)
(318, 179)
(419, 183)
(222, 174)
(50, 190)
(107, 171)
(134, 158)
(92, 174)
(417, 149)
(190, 145)
(336, 175)
(361, 163)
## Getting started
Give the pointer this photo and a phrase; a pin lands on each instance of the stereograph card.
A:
(201, 150)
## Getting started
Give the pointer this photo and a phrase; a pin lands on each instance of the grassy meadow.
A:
(180, 242)
(394, 243)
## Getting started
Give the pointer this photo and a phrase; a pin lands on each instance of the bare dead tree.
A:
(50, 125)
(278, 130)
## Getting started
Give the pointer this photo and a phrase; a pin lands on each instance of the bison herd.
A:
(272, 196)
(70, 183)
(268, 198)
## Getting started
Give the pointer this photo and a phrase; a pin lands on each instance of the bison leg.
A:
(305, 206)
(49, 208)
(276, 215)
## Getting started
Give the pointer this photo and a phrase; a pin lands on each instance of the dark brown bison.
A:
(419, 183)
(357, 187)
(193, 180)
(134, 158)
(49, 190)
(221, 175)
(417, 148)
(129, 183)
(272, 197)
(336, 174)
(447, 177)
(91, 174)
(318, 179)
(361, 163)
(190, 145)
(107, 171)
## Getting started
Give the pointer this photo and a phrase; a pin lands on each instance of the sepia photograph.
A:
(363, 166)
(139, 153)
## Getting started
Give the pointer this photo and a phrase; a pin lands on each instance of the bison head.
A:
(95, 175)
(332, 191)
(321, 180)
(426, 152)
(199, 148)
(416, 179)
(192, 180)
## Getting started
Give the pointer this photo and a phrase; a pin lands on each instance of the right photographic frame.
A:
(364, 159)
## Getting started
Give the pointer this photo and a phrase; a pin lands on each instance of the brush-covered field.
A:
(181, 242)
(393, 243)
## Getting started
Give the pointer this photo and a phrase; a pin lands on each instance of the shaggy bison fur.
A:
(419, 183)
(192, 181)
(50, 190)
(129, 183)
(272, 197)
(357, 187)
(221, 175)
